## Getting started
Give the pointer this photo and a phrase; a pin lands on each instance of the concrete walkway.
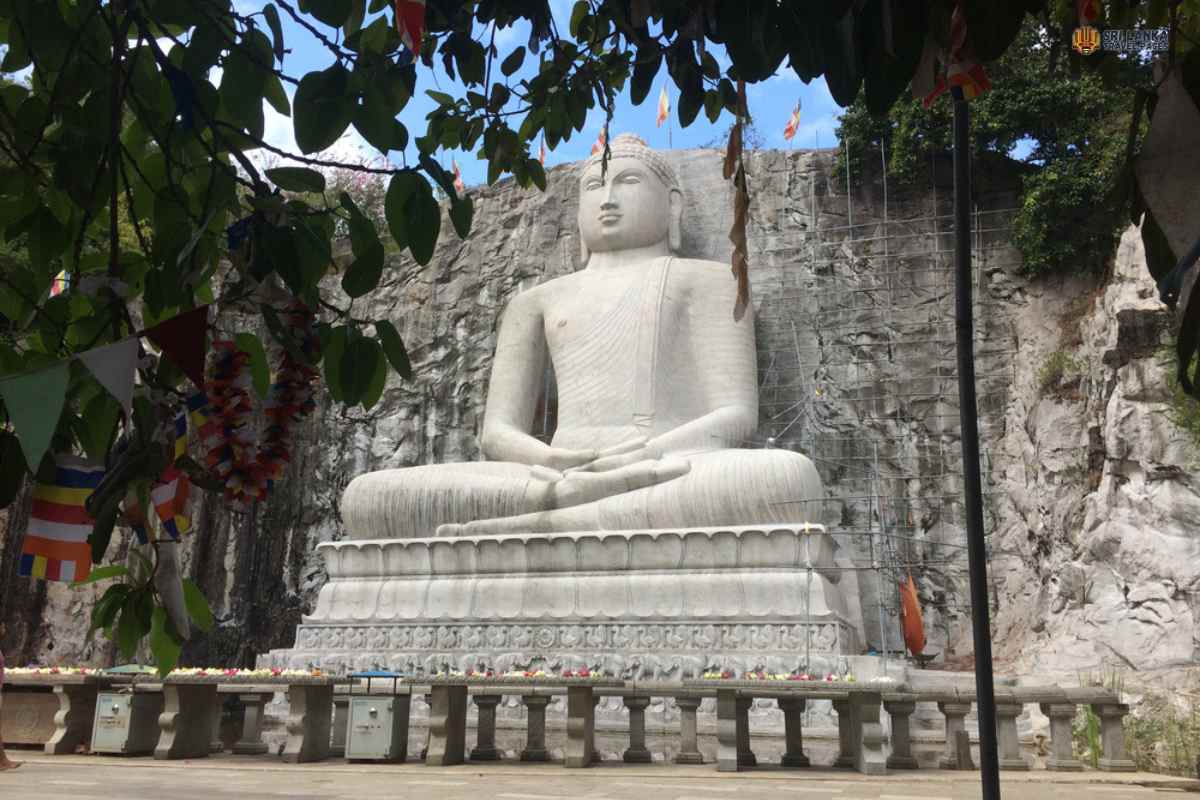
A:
(259, 778)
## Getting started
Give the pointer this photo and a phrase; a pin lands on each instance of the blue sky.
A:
(770, 104)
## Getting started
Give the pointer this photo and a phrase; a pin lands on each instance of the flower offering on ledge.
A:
(51, 671)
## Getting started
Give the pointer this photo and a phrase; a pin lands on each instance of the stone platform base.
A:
(662, 604)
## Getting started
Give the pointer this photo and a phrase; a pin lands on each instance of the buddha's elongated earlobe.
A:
(584, 252)
(675, 230)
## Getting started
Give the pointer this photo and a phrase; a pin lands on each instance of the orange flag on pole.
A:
(793, 123)
(542, 152)
(911, 623)
(664, 107)
(963, 74)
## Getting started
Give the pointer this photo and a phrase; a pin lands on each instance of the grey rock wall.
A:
(1091, 494)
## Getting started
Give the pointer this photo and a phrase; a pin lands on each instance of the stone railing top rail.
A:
(147, 682)
(665, 549)
(515, 682)
(51, 679)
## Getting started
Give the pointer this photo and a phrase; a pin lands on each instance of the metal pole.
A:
(973, 489)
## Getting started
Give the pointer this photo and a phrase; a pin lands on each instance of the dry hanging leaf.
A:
(737, 235)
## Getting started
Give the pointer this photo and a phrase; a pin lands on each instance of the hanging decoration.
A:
(793, 123)
(56, 541)
(911, 623)
(664, 107)
(34, 401)
(410, 23)
(249, 468)
(601, 141)
(964, 76)
(181, 339)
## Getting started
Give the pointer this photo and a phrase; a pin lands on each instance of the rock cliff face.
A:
(1091, 492)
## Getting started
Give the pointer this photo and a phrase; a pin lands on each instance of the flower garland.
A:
(51, 671)
(249, 469)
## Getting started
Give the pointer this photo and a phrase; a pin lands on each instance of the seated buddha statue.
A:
(657, 393)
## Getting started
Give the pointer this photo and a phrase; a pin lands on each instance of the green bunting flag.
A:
(34, 402)
(114, 365)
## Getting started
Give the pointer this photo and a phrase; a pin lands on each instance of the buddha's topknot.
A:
(633, 146)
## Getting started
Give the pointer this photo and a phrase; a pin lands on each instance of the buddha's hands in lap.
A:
(580, 486)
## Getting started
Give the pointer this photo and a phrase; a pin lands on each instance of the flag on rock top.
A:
(182, 339)
(664, 107)
(542, 152)
(911, 623)
(601, 140)
(56, 541)
(458, 182)
(34, 401)
(410, 23)
(114, 366)
(793, 123)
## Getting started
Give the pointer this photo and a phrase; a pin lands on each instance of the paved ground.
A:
(247, 778)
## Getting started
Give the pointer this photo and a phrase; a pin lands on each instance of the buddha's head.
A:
(635, 203)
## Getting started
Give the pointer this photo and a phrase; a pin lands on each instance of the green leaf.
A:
(129, 626)
(297, 179)
(378, 381)
(441, 98)
(197, 606)
(102, 532)
(578, 14)
(424, 219)
(275, 95)
(272, 17)
(353, 23)
(712, 105)
(691, 98)
(322, 109)
(103, 574)
(106, 608)
(12, 468)
(163, 644)
(97, 424)
(377, 122)
(364, 274)
(358, 367)
(644, 69)
(537, 172)
(401, 187)
(513, 62)
(462, 211)
(393, 348)
(332, 356)
(333, 13)
(260, 372)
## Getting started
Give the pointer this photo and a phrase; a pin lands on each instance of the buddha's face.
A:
(629, 208)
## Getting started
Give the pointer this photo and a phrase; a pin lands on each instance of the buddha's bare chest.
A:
(592, 307)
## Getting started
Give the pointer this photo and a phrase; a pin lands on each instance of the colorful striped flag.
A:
(458, 182)
(180, 429)
(60, 284)
(664, 107)
(56, 542)
(410, 23)
(964, 76)
(793, 123)
(601, 140)
(170, 496)
(198, 406)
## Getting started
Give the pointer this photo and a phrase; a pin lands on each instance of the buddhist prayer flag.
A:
(911, 623)
(542, 152)
(410, 23)
(170, 496)
(114, 366)
(964, 76)
(793, 123)
(458, 183)
(181, 339)
(60, 284)
(198, 407)
(34, 401)
(56, 542)
(664, 107)
(598, 147)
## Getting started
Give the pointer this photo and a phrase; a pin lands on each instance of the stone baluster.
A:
(689, 747)
(733, 732)
(637, 752)
(955, 713)
(900, 709)
(1113, 756)
(251, 743)
(535, 738)
(310, 709)
(1062, 756)
(793, 719)
(868, 733)
(1007, 740)
(845, 757)
(581, 727)
(185, 725)
(218, 711)
(341, 717)
(745, 755)
(447, 726)
(485, 728)
(73, 720)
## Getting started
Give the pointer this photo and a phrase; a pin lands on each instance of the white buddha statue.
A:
(657, 394)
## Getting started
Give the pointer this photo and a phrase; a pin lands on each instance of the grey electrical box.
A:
(378, 728)
(126, 723)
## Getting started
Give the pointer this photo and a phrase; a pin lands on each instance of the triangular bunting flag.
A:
(34, 401)
(182, 340)
(114, 365)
